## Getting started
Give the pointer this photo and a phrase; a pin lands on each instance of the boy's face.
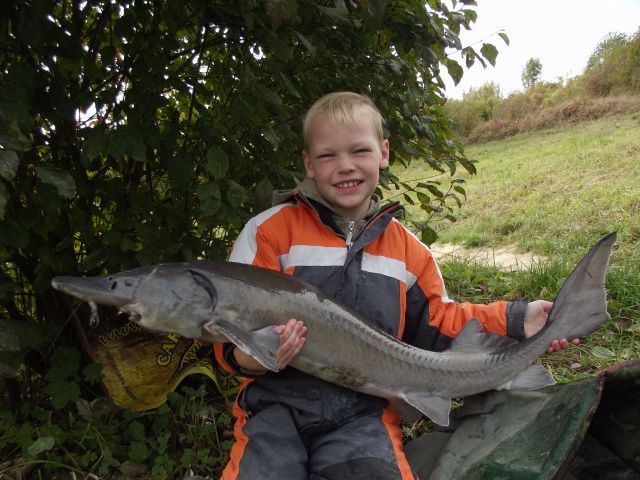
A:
(345, 162)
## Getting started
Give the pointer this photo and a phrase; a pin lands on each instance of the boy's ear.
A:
(307, 164)
(384, 149)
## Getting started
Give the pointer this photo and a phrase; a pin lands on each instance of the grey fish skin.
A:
(224, 301)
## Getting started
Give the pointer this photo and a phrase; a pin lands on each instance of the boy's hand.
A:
(292, 337)
(536, 317)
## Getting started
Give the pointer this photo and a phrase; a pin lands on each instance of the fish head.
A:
(117, 290)
(167, 298)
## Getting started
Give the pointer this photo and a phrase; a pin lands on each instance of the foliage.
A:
(477, 106)
(93, 439)
(614, 66)
(612, 41)
(140, 132)
(612, 75)
(531, 72)
(615, 341)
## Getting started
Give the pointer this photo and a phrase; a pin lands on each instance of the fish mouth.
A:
(100, 290)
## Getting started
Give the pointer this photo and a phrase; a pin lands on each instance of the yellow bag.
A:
(140, 368)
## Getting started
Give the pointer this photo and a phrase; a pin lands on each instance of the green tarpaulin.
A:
(580, 430)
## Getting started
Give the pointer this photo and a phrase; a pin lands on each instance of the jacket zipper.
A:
(349, 239)
(391, 207)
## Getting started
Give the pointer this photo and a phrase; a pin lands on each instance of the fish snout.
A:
(107, 290)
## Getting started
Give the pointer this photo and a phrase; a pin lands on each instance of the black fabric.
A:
(516, 311)
(316, 428)
(358, 469)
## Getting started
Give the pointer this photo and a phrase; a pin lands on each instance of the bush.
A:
(607, 86)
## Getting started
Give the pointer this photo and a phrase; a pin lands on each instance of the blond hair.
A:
(344, 108)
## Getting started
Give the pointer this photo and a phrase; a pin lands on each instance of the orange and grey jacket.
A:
(385, 273)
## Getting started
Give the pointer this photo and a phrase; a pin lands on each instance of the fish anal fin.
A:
(533, 377)
(473, 339)
(261, 344)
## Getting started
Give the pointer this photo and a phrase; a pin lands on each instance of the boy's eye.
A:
(362, 150)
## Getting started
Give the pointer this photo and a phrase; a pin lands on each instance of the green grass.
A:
(555, 193)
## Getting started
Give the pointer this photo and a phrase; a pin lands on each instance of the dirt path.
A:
(505, 258)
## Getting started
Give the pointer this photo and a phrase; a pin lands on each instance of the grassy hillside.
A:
(555, 193)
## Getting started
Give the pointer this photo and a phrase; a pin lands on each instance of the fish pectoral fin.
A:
(260, 344)
(436, 407)
(533, 377)
(473, 339)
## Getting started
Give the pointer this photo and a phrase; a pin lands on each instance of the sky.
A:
(561, 33)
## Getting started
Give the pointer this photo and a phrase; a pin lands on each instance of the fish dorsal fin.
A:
(260, 344)
(533, 377)
(436, 407)
(473, 339)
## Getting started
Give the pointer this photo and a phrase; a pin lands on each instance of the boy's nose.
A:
(345, 162)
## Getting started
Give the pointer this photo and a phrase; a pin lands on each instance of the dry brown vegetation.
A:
(609, 85)
(571, 111)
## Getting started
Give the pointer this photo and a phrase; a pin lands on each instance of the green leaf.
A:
(434, 190)
(237, 194)
(307, 44)
(489, 52)
(460, 190)
(603, 353)
(42, 444)
(469, 55)
(264, 194)
(17, 142)
(136, 430)
(4, 198)
(94, 259)
(180, 171)
(428, 235)
(62, 393)
(60, 179)
(271, 135)
(217, 162)
(455, 70)
(64, 363)
(92, 373)
(504, 37)
(8, 164)
(376, 7)
(423, 197)
(13, 234)
(269, 95)
(138, 452)
(127, 140)
(96, 142)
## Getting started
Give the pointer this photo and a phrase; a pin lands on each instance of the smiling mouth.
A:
(350, 184)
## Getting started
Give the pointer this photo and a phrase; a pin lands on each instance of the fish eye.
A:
(128, 282)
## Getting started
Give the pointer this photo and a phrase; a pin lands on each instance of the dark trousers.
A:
(299, 428)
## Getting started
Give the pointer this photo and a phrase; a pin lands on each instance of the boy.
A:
(332, 232)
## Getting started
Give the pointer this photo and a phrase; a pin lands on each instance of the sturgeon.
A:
(224, 301)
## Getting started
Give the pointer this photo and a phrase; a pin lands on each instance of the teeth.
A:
(348, 184)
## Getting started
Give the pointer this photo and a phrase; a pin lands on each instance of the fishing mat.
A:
(589, 429)
(140, 368)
